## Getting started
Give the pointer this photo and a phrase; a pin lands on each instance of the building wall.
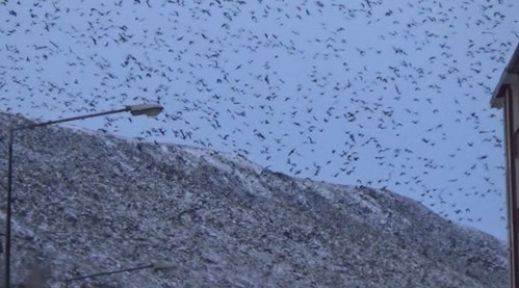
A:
(513, 80)
(512, 148)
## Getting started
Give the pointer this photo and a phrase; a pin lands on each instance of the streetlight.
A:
(156, 266)
(148, 109)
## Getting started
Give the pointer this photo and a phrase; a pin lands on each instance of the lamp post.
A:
(148, 109)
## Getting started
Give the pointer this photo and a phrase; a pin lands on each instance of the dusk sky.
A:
(388, 94)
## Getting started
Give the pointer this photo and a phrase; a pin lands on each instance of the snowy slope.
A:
(87, 203)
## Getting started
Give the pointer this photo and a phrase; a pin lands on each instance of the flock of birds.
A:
(390, 94)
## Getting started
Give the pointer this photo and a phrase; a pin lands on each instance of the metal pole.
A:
(30, 126)
(7, 264)
(141, 267)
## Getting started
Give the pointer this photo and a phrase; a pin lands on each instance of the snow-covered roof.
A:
(511, 68)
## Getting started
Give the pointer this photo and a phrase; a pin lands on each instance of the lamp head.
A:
(148, 109)
(163, 266)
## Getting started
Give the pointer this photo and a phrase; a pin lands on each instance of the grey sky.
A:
(392, 94)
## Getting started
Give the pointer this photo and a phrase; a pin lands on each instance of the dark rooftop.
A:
(511, 68)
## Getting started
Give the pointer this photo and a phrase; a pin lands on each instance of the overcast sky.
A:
(388, 94)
